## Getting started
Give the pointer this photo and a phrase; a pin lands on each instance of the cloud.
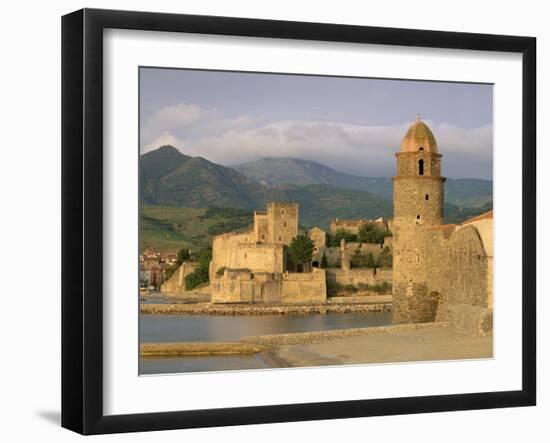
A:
(356, 149)
(166, 138)
(189, 120)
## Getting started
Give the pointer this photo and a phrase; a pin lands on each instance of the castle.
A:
(441, 272)
(253, 266)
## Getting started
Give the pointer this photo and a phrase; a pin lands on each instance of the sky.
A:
(354, 125)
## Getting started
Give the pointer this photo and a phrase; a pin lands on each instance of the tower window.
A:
(284, 224)
(421, 148)
(427, 197)
(418, 217)
(420, 167)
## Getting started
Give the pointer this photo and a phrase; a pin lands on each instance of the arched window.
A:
(420, 167)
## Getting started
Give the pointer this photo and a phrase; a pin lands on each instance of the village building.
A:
(152, 268)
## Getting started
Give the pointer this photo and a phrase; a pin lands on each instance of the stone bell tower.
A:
(417, 206)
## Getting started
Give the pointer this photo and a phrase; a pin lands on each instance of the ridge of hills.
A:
(185, 200)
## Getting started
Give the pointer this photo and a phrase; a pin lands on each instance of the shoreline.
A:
(312, 337)
(191, 349)
(247, 309)
(379, 344)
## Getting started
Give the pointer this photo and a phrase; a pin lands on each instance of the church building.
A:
(441, 272)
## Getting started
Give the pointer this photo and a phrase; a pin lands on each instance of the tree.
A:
(372, 233)
(301, 250)
(183, 256)
(385, 259)
(200, 274)
(334, 240)
(357, 259)
(370, 261)
(324, 261)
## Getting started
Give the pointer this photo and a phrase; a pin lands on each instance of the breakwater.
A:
(196, 349)
(214, 309)
(301, 338)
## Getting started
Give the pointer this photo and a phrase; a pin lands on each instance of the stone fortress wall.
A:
(243, 286)
(360, 276)
(261, 248)
(251, 266)
(333, 254)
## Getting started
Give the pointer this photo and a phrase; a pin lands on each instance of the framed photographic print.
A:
(269, 221)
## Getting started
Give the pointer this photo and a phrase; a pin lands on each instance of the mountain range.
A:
(271, 172)
(168, 177)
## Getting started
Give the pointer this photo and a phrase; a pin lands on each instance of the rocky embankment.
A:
(213, 309)
(300, 338)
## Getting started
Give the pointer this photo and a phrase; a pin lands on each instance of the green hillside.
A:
(168, 177)
(170, 228)
(319, 204)
(272, 172)
(177, 190)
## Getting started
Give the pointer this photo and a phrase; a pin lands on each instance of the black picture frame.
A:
(82, 218)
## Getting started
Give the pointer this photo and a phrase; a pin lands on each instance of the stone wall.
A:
(243, 286)
(458, 273)
(408, 163)
(360, 276)
(467, 319)
(319, 239)
(333, 253)
(225, 248)
(459, 267)
(176, 283)
(237, 251)
(365, 248)
(418, 205)
(259, 258)
(308, 287)
(351, 226)
(261, 233)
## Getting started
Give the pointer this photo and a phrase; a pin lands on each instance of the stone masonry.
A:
(439, 271)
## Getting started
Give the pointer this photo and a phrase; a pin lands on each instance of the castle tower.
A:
(282, 222)
(417, 206)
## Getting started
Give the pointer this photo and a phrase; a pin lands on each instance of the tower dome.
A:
(419, 138)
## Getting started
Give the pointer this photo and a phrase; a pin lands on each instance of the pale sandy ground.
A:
(421, 345)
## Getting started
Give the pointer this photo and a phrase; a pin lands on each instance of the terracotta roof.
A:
(485, 215)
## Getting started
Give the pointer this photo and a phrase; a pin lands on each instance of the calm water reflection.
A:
(176, 328)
